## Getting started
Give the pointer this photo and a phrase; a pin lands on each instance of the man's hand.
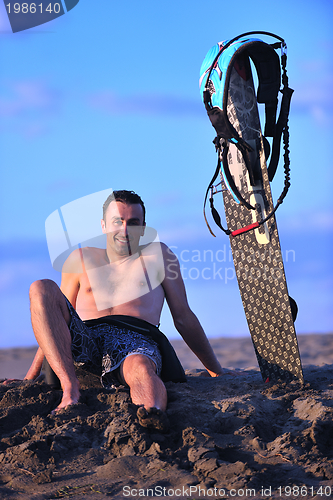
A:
(8, 381)
(33, 372)
(213, 374)
(225, 372)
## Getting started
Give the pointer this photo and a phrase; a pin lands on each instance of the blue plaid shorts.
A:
(100, 347)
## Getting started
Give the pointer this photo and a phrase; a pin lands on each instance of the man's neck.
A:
(113, 257)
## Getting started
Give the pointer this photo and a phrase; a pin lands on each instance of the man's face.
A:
(124, 226)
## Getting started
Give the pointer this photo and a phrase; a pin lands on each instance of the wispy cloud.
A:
(149, 104)
(312, 97)
(314, 94)
(20, 98)
(27, 106)
(304, 220)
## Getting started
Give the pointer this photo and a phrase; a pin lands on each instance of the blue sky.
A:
(107, 96)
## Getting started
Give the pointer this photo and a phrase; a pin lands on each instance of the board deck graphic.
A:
(257, 253)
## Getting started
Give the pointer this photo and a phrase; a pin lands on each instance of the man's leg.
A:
(50, 319)
(146, 387)
(147, 391)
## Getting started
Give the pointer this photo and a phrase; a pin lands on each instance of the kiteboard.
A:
(250, 213)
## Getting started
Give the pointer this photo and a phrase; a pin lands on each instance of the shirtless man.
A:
(123, 281)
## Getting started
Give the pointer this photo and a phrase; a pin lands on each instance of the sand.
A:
(232, 436)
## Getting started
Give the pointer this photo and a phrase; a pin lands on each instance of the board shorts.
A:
(100, 345)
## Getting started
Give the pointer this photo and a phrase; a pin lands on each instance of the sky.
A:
(107, 96)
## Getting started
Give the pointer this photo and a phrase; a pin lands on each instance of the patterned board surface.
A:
(257, 254)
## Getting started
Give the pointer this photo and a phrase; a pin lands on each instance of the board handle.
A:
(245, 229)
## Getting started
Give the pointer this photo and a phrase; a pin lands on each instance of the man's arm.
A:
(36, 366)
(184, 319)
(70, 276)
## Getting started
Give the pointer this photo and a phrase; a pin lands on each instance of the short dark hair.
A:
(124, 196)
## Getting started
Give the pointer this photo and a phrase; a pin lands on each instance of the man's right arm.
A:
(36, 366)
(70, 276)
(185, 320)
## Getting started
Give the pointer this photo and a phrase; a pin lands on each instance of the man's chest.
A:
(117, 283)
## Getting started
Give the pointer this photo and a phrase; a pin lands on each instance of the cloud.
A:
(14, 273)
(146, 104)
(27, 106)
(62, 184)
(311, 96)
(314, 96)
(304, 220)
(20, 98)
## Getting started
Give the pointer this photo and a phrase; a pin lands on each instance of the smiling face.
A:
(124, 226)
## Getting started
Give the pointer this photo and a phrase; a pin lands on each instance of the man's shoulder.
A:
(167, 252)
(79, 258)
(156, 248)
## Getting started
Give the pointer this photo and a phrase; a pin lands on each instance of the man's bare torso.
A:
(129, 286)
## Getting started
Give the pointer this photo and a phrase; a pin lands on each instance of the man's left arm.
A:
(184, 319)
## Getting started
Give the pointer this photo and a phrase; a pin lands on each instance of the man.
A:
(119, 294)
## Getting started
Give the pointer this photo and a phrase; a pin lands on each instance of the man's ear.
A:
(143, 229)
(103, 226)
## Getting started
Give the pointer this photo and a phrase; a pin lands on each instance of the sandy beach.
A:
(231, 436)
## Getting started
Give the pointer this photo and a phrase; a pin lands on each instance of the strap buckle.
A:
(283, 48)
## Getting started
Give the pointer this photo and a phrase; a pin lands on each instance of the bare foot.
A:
(70, 397)
(153, 418)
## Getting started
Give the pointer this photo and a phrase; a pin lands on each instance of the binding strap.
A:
(228, 175)
(215, 214)
(282, 122)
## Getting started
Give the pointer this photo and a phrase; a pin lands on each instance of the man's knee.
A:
(140, 362)
(41, 288)
(46, 293)
(137, 366)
